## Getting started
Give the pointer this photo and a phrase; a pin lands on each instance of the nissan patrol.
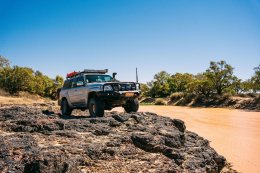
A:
(97, 91)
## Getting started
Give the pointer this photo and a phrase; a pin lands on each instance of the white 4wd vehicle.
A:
(97, 91)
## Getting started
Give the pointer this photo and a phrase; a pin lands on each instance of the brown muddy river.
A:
(233, 133)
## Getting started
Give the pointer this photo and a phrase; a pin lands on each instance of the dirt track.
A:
(233, 133)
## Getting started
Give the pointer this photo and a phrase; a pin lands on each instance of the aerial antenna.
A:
(136, 73)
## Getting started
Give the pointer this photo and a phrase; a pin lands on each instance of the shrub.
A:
(148, 100)
(159, 102)
(257, 99)
(200, 100)
(189, 97)
(176, 96)
(3, 93)
(242, 95)
(253, 95)
(226, 96)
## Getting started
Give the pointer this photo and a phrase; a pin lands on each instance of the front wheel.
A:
(131, 106)
(65, 109)
(96, 107)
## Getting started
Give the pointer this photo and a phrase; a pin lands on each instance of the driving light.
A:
(108, 88)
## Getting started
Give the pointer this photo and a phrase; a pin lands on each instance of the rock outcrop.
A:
(32, 140)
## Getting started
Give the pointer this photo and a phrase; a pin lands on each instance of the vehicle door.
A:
(79, 91)
(72, 91)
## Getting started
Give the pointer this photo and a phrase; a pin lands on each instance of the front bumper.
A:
(119, 97)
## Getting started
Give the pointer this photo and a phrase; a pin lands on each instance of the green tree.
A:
(17, 79)
(59, 80)
(181, 82)
(4, 62)
(160, 85)
(220, 75)
(50, 89)
(202, 86)
(237, 85)
(39, 84)
(255, 80)
(145, 90)
(57, 83)
(246, 86)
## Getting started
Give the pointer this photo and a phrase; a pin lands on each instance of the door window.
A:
(74, 83)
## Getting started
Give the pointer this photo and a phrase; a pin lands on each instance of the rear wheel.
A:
(131, 105)
(65, 109)
(96, 107)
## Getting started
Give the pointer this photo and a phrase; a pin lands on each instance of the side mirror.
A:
(114, 75)
(79, 83)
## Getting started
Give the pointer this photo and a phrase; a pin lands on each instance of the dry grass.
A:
(3, 93)
(176, 96)
(21, 98)
(160, 101)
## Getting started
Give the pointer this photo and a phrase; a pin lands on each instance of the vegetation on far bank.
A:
(214, 87)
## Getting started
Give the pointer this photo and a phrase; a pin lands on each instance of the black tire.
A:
(65, 109)
(96, 107)
(131, 106)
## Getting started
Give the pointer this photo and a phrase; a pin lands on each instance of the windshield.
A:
(98, 78)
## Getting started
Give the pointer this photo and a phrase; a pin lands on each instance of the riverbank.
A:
(225, 101)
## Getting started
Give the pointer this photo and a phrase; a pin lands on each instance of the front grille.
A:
(124, 87)
(116, 87)
(127, 87)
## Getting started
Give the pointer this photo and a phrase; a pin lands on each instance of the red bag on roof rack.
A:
(69, 75)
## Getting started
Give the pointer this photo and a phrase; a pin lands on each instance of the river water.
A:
(233, 133)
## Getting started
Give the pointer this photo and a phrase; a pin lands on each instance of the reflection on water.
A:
(233, 133)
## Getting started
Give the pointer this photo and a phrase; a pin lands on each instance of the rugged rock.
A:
(32, 140)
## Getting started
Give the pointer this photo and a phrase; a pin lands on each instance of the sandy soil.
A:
(233, 133)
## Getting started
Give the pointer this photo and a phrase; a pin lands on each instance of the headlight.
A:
(108, 88)
(137, 86)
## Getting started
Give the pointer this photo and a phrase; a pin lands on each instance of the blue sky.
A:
(59, 36)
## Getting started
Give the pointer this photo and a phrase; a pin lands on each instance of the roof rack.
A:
(95, 71)
(73, 74)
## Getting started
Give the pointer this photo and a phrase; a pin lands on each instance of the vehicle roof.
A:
(96, 74)
(89, 74)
